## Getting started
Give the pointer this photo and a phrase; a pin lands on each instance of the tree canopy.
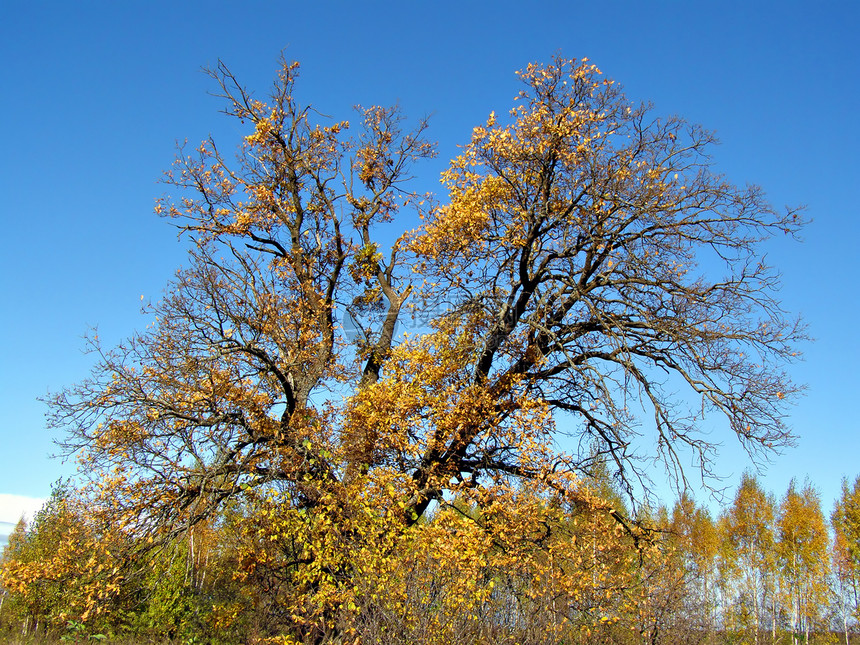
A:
(586, 277)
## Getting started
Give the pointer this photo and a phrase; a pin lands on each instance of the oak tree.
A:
(591, 264)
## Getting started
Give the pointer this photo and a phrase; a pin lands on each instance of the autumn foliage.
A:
(584, 265)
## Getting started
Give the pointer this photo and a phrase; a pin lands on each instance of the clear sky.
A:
(95, 95)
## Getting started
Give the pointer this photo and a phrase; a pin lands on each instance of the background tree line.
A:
(764, 570)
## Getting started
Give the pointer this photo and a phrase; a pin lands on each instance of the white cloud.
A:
(12, 507)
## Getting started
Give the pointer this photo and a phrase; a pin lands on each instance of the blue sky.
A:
(95, 95)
